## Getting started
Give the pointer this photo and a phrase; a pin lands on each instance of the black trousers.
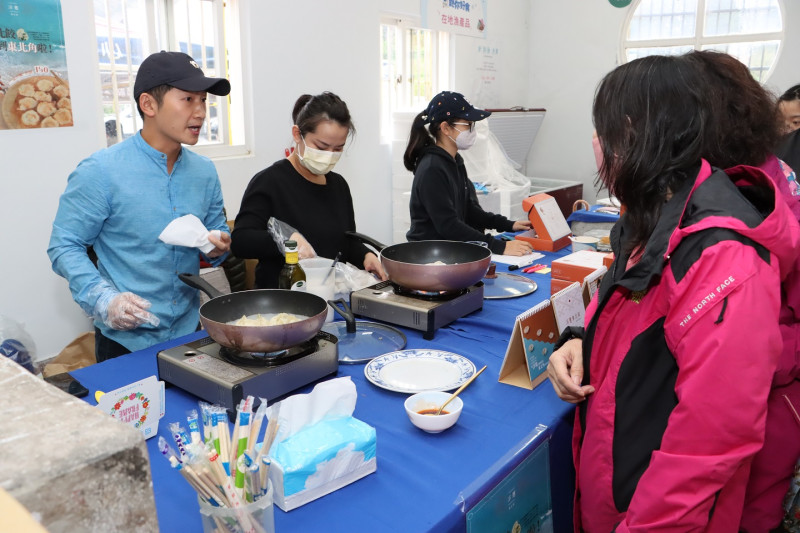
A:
(105, 348)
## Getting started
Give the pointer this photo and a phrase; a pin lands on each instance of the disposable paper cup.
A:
(257, 517)
(316, 268)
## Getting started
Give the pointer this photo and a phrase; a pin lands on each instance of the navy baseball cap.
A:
(178, 70)
(449, 104)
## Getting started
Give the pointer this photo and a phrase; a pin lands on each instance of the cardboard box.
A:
(557, 285)
(608, 260)
(577, 265)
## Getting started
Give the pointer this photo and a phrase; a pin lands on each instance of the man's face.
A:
(180, 116)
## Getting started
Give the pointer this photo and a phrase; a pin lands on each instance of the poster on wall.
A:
(34, 87)
(486, 78)
(463, 17)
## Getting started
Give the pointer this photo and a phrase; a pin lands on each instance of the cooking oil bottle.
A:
(292, 275)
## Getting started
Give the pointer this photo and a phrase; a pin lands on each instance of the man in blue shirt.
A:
(119, 200)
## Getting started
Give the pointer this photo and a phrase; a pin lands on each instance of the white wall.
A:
(571, 51)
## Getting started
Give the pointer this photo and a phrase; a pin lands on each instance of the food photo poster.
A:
(34, 87)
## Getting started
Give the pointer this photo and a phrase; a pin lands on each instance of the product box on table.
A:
(577, 265)
(320, 447)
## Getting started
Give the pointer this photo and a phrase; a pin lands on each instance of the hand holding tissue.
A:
(189, 231)
(320, 447)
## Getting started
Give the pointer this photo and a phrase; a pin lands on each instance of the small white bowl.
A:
(584, 242)
(433, 400)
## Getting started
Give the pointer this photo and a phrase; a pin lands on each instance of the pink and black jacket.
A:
(682, 348)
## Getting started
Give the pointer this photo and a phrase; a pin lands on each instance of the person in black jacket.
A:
(303, 192)
(789, 150)
(789, 106)
(444, 205)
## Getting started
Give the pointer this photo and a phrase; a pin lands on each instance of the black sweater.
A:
(322, 213)
(444, 205)
(789, 151)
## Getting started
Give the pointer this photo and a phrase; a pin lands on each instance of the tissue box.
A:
(320, 446)
(320, 459)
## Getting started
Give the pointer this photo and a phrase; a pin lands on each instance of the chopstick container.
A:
(255, 517)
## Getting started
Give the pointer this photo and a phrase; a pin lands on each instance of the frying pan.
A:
(221, 309)
(408, 264)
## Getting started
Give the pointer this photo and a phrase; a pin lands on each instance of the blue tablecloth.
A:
(424, 482)
(592, 215)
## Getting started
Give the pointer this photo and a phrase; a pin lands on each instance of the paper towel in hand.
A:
(189, 230)
(320, 447)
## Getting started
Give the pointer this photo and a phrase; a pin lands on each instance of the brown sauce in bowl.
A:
(432, 412)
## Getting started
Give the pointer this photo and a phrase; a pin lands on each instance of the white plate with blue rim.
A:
(419, 370)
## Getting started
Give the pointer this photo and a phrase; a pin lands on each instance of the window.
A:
(414, 67)
(130, 30)
(750, 30)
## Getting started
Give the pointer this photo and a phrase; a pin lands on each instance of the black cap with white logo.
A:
(178, 70)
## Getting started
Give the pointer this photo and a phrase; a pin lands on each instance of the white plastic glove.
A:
(304, 248)
(123, 311)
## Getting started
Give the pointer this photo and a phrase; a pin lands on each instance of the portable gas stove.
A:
(423, 311)
(223, 376)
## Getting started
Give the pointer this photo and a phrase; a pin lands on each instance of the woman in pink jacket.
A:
(743, 130)
(673, 370)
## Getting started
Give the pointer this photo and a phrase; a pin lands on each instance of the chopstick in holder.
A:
(235, 435)
(263, 453)
(255, 426)
(203, 464)
(221, 425)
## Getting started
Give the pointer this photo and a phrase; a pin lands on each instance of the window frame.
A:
(160, 28)
(441, 78)
(698, 41)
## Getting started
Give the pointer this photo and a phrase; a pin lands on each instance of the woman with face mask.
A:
(443, 203)
(303, 192)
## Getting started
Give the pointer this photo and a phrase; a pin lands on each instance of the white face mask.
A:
(465, 139)
(318, 162)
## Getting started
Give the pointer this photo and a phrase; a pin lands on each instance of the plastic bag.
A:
(349, 279)
(281, 231)
(791, 504)
(16, 344)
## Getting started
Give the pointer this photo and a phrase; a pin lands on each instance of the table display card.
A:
(568, 307)
(535, 334)
(529, 349)
(139, 404)
(591, 283)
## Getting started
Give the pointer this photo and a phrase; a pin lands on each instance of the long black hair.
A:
(421, 137)
(649, 115)
(310, 110)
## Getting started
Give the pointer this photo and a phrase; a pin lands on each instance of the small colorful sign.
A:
(462, 17)
(139, 404)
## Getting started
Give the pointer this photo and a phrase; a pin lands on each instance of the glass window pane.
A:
(195, 25)
(421, 67)
(740, 17)
(758, 56)
(663, 19)
(636, 53)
